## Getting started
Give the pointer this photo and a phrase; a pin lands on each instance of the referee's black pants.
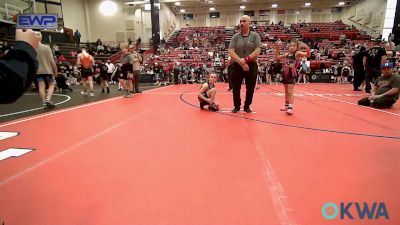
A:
(359, 76)
(176, 76)
(250, 78)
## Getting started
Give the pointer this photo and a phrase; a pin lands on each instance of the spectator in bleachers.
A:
(303, 69)
(385, 91)
(77, 38)
(138, 43)
(276, 70)
(343, 40)
(158, 73)
(177, 70)
(104, 77)
(376, 56)
(100, 49)
(56, 49)
(98, 42)
(345, 73)
(341, 55)
(390, 37)
(61, 59)
(186, 55)
(73, 53)
(244, 49)
(317, 55)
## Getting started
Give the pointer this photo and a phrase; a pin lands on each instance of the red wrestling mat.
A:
(157, 159)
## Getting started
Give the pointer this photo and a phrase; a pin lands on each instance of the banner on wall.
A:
(37, 21)
(188, 16)
(264, 12)
(326, 11)
(249, 13)
(336, 10)
(281, 11)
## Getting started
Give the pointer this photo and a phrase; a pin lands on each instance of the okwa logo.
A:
(355, 210)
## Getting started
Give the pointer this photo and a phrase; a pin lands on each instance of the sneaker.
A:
(91, 94)
(285, 108)
(235, 110)
(289, 111)
(50, 105)
(45, 105)
(247, 110)
(83, 92)
(129, 95)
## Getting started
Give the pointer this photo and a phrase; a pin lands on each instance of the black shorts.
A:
(104, 76)
(44, 77)
(289, 77)
(125, 70)
(85, 72)
(373, 72)
(205, 95)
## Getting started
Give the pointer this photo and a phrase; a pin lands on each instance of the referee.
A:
(244, 50)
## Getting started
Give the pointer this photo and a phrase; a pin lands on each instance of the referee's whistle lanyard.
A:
(244, 42)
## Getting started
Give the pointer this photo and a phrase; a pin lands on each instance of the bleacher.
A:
(198, 54)
(66, 49)
(330, 31)
(202, 32)
(277, 31)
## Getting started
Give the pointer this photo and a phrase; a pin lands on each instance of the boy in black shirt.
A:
(376, 56)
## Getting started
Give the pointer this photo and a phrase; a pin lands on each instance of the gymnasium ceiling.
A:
(232, 6)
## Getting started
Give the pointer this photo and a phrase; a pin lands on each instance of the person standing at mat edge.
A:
(46, 72)
(244, 49)
(137, 59)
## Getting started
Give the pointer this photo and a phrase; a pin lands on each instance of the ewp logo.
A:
(37, 21)
(330, 211)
